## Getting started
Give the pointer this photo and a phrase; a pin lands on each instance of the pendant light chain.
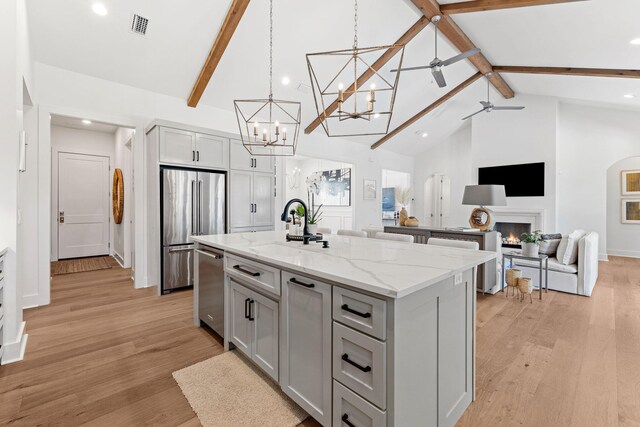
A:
(270, 49)
(355, 25)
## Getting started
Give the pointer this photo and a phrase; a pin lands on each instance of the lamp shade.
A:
(484, 195)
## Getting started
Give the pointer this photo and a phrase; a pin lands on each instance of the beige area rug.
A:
(80, 265)
(227, 390)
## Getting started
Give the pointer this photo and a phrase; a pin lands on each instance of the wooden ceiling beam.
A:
(427, 110)
(570, 71)
(229, 26)
(484, 5)
(413, 31)
(459, 39)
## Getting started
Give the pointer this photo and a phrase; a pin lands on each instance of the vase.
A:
(403, 216)
(312, 228)
(412, 221)
(530, 249)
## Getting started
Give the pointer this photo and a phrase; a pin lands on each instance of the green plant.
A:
(534, 237)
(316, 215)
(300, 210)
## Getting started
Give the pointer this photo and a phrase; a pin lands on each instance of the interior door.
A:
(83, 204)
(241, 198)
(263, 199)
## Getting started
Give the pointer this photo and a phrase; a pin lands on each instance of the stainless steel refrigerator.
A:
(193, 203)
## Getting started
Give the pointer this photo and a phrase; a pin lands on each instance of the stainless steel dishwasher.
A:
(211, 288)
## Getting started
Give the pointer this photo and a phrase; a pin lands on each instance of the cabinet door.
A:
(212, 151)
(241, 199)
(305, 345)
(240, 323)
(177, 146)
(263, 199)
(263, 164)
(240, 159)
(265, 334)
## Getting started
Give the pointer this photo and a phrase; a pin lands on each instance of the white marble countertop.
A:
(388, 268)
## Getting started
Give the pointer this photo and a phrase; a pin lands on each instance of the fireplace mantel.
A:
(535, 217)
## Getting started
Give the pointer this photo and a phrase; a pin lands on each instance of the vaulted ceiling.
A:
(595, 33)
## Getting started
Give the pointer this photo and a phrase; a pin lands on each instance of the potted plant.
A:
(313, 217)
(531, 243)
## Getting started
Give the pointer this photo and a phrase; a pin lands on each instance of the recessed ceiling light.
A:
(86, 122)
(424, 134)
(99, 9)
(286, 80)
(629, 96)
(376, 115)
(635, 42)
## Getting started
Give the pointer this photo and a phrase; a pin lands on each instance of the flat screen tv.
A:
(525, 180)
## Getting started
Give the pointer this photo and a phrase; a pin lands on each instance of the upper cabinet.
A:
(242, 160)
(186, 148)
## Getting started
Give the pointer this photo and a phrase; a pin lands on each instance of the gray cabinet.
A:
(254, 327)
(187, 148)
(305, 346)
(241, 159)
(252, 200)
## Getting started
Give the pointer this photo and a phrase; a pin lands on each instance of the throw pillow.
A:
(549, 247)
(568, 248)
(553, 236)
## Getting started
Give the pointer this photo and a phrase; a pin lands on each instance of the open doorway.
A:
(91, 167)
(623, 208)
(397, 193)
(326, 186)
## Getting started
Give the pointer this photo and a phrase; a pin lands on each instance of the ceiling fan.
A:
(437, 64)
(488, 106)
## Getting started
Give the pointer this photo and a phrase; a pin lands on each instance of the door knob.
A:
(61, 217)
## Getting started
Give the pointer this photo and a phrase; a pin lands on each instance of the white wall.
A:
(78, 141)
(591, 140)
(334, 217)
(121, 232)
(622, 239)
(15, 74)
(451, 157)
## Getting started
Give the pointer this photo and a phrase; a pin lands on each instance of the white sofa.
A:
(579, 278)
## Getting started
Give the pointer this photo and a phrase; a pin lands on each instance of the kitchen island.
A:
(364, 333)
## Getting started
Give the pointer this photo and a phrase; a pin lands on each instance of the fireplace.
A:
(511, 232)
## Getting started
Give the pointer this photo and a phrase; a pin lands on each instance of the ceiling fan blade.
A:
(508, 108)
(485, 104)
(471, 115)
(461, 56)
(439, 77)
(423, 67)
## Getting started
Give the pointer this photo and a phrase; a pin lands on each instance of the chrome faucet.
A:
(306, 237)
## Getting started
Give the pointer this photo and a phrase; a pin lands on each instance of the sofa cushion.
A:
(554, 265)
(568, 248)
(549, 247)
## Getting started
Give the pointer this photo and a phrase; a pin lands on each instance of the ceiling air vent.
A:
(139, 24)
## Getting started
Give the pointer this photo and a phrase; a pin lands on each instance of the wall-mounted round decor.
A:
(117, 196)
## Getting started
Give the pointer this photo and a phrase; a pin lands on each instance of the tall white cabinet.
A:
(252, 191)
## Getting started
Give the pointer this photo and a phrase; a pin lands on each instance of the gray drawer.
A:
(254, 273)
(362, 312)
(348, 406)
(360, 363)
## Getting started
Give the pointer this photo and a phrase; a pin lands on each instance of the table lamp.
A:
(483, 195)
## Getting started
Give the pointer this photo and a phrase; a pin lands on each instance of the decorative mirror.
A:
(117, 196)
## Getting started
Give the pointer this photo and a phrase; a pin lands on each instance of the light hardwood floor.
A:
(102, 354)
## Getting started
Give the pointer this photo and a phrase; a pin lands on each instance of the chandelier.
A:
(269, 127)
(341, 108)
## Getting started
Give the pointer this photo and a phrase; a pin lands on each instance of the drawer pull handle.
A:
(297, 282)
(246, 308)
(345, 357)
(345, 419)
(345, 307)
(250, 273)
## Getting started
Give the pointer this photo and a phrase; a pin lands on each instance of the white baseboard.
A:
(624, 253)
(603, 257)
(14, 351)
(30, 301)
(118, 259)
